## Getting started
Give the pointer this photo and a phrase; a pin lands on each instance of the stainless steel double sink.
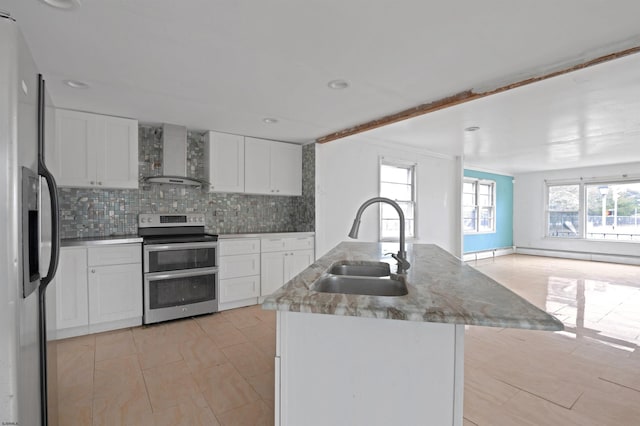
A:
(361, 277)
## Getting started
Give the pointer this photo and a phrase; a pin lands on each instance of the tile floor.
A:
(211, 370)
(588, 374)
(218, 369)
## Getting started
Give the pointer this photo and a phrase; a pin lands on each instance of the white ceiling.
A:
(226, 65)
(585, 118)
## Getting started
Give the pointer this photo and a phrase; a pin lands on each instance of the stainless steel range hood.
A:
(174, 158)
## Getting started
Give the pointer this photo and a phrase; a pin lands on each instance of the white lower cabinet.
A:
(280, 267)
(72, 309)
(239, 276)
(98, 289)
(114, 294)
(282, 259)
(251, 268)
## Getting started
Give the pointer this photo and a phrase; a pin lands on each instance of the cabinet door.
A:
(115, 293)
(75, 157)
(272, 272)
(117, 146)
(257, 166)
(295, 262)
(286, 169)
(226, 162)
(72, 300)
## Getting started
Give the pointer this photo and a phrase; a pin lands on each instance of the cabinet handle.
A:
(99, 183)
(93, 271)
(92, 183)
(277, 190)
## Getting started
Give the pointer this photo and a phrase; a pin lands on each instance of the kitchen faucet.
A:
(401, 257)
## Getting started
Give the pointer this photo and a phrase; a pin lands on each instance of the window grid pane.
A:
(395, 174)
(396, 191)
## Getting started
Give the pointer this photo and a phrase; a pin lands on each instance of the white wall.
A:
(529, 210)
(347, 175)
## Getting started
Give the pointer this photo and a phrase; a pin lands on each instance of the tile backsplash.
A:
(88, 212)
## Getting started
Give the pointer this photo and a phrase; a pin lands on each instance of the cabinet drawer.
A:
(273, 244)
(239, 246)
(287, 243)
(233, 289)
(117, 254)
(239, 266)
(299, 243)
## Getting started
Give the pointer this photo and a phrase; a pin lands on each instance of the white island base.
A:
(345, 370)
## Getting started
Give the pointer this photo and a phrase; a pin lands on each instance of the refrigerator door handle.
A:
(53, 190)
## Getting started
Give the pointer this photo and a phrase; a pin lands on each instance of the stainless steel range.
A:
(180, 265)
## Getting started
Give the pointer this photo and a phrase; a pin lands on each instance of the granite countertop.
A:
(266, 235)
(442, 288)
(98, 241)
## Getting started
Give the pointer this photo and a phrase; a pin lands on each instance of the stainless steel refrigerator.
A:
(29, 238)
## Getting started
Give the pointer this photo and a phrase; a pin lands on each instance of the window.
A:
(563, 211)
(612, 210)
(598, 210)
(397, 182)
(478, 206)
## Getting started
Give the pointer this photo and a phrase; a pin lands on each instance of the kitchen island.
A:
(380, 360)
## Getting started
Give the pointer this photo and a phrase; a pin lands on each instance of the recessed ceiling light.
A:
(471, 128)
(338, 84)
(62, 4)
(270, 120)
(76, 84)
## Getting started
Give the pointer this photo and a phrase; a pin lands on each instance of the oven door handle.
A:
(179, 246)
(180, 274)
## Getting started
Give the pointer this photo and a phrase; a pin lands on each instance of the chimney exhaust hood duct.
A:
(174, 158)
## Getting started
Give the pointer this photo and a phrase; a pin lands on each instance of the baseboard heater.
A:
(580, 255)
(486, 254)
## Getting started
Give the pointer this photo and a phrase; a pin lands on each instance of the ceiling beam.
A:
(466, 96)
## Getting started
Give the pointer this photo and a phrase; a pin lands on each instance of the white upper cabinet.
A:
(224, 162)
(273, 168)
(286, 168)
(118, 167)
(95, 150)
(257, 153)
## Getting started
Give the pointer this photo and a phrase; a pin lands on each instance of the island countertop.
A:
(442, 289)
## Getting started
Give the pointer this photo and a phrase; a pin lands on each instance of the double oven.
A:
(180, 266)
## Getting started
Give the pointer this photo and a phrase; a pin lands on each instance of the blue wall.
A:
(503, 237)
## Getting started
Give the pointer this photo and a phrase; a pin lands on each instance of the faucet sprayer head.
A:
(354, 229)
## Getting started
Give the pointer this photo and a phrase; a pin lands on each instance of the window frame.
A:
(393, 162)
(581, 189)
(583, 210)
(477, 207)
